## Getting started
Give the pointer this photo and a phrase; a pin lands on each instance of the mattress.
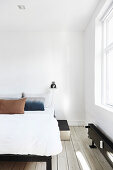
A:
(36, 134)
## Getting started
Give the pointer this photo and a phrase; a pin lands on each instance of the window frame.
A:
(106, 48)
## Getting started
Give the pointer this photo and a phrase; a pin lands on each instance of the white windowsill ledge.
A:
(105, 107)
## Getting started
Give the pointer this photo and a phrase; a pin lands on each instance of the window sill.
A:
(105, 107)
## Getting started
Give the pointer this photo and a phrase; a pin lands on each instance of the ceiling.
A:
(46, 15)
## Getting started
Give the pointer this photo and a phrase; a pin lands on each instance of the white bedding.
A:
(48, 110)
(28, 133)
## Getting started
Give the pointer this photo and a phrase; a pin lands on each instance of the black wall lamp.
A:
(53, 85)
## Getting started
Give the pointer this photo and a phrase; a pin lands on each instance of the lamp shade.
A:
(53, 85)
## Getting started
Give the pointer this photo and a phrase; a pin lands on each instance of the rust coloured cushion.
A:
(12, 106)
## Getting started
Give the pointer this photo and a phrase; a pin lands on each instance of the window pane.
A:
(110, 31)
(109, 77)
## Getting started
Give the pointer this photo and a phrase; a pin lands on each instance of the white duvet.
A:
(28, 133)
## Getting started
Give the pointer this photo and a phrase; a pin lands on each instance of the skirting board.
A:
(76, 123)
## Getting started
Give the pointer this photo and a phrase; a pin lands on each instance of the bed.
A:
(32, 136)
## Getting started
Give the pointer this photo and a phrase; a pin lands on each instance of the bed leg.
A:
(48, 164)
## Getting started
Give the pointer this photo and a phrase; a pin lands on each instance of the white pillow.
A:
(49, 110)
(11, 96)
(47, 96)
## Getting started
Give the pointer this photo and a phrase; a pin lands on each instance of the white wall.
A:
(101, 117)
(32, 60)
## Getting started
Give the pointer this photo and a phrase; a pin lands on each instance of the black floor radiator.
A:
(101, 141)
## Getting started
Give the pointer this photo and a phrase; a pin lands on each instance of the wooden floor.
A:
(76, 155)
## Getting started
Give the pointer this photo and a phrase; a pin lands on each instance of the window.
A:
(107, 59)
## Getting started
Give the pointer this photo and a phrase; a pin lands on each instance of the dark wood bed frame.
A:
(28, 158)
